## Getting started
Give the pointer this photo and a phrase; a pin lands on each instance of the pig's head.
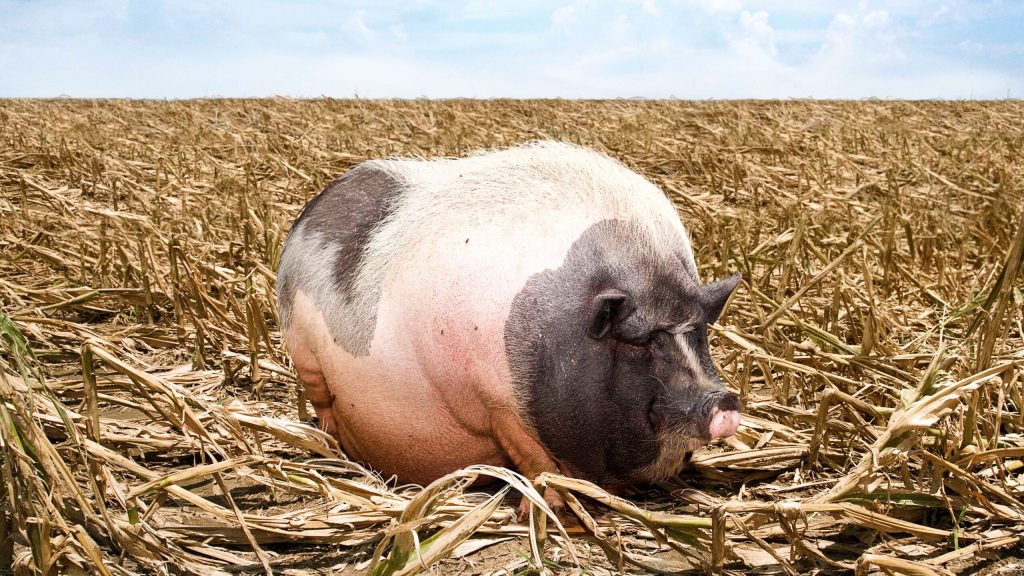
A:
(610, 355)
(653, 343)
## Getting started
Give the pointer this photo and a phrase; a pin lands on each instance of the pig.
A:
(537, 307)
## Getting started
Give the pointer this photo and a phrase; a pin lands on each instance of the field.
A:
(151, 422)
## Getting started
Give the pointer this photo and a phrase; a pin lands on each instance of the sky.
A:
(695, 49)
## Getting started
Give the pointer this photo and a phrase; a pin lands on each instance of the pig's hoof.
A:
(551, 498)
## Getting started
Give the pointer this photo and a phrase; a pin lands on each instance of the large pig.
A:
(537, 307)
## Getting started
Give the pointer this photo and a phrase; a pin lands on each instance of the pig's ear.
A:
(608, 308)
(714, 296)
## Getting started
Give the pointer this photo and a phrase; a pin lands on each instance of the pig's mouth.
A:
(677, 442)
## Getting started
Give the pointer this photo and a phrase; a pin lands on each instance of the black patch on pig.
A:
(346, 213)
(342, 219)
(598, 395)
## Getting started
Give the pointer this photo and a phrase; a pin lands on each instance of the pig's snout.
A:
(725, 417)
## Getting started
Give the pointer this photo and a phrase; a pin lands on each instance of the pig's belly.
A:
(392, 421)
(389, 416)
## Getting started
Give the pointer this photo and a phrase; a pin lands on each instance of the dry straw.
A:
(149, 418)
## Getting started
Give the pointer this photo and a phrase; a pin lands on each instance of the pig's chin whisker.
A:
(673, 452)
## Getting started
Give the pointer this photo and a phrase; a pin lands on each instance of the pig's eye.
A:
(631, 351)
(658, 344)
(637, 347)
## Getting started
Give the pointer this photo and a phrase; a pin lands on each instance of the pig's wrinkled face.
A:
(610, 355)
(667, 388)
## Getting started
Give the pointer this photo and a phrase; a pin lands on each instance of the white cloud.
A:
(972, 48)
(944, 10)
(565, 19)
(758, 37)
(398, 31)
(651, 8)
(355, 25)
(718, 6)
(484, 10)
(949, 12)
(862, 39)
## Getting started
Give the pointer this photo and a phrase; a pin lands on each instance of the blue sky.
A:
(526, 48)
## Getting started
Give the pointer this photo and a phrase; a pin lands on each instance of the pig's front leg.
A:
(528, 456)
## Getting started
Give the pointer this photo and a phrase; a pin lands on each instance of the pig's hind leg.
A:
(312, 378)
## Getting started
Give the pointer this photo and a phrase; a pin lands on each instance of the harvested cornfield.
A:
(151, 423)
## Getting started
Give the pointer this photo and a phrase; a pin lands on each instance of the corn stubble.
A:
(148, 416)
